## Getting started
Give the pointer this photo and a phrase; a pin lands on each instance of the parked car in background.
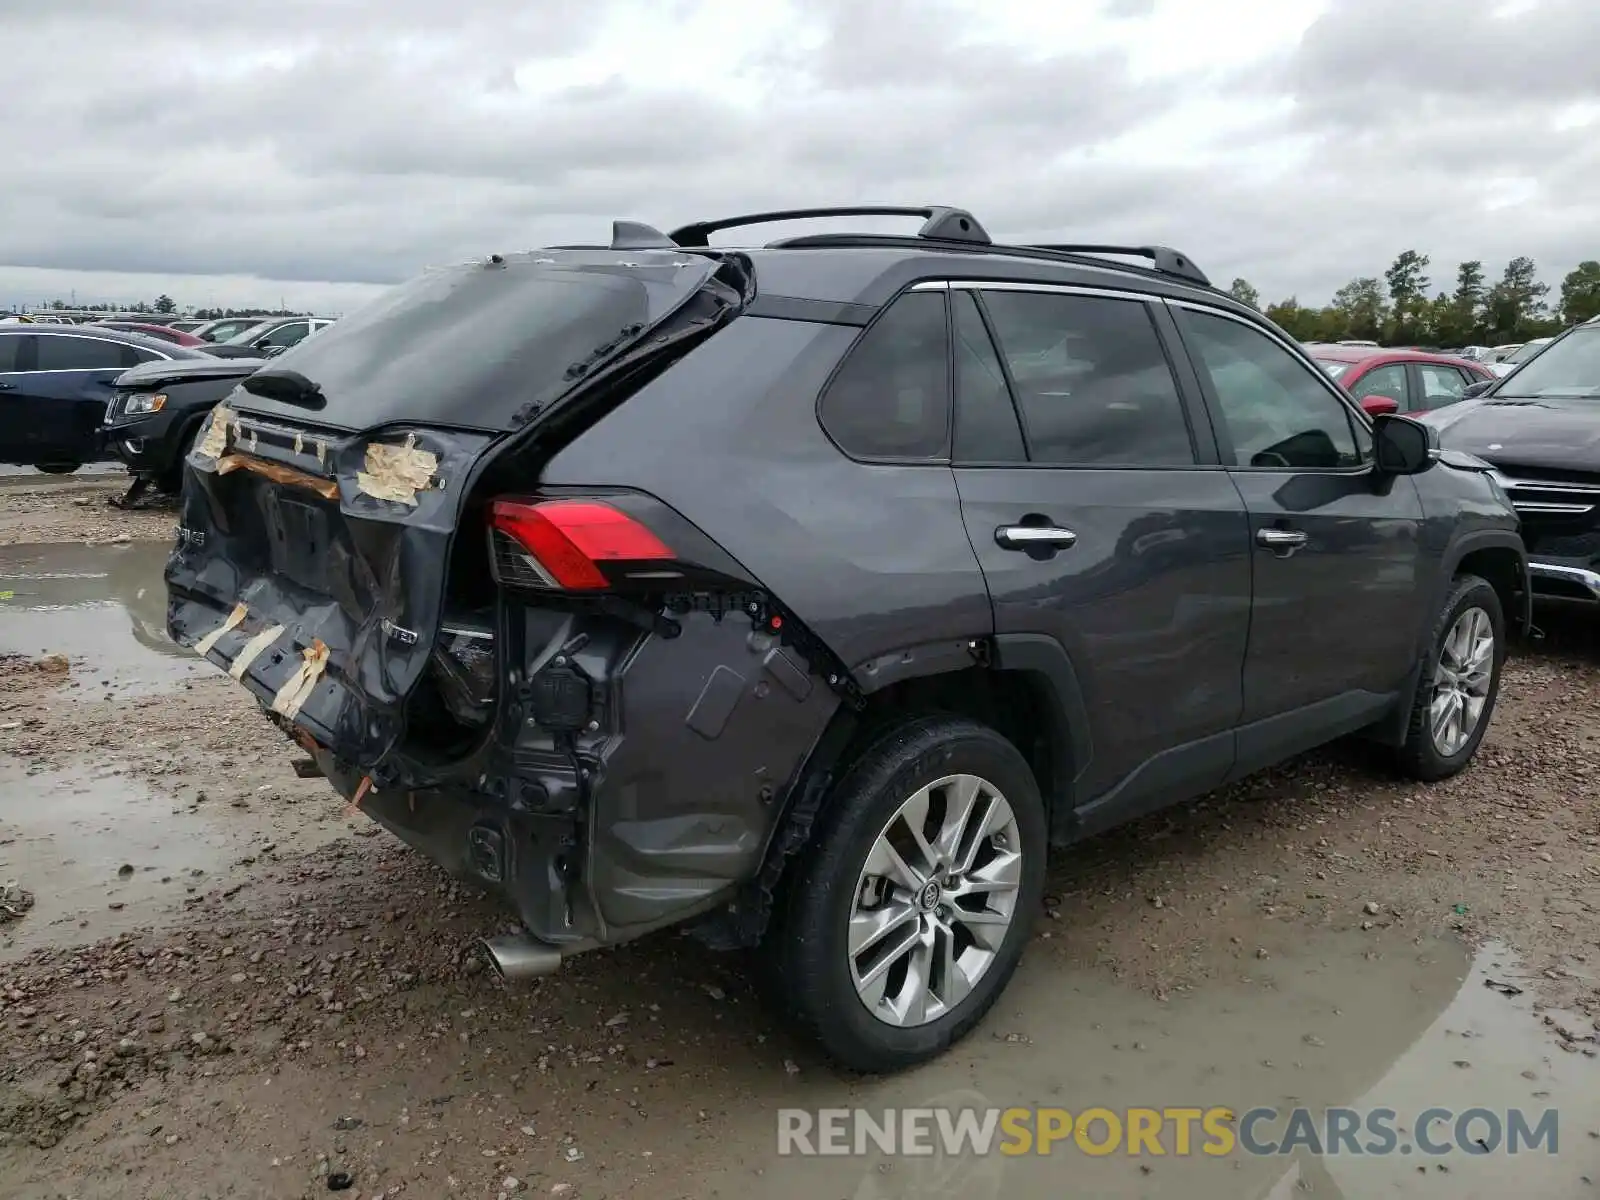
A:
(1540, 429)
(165, 333)
(1516, 357)
(224, 328)
(1415, 380)
(155, 413)
(804, 594)
(186, 325)
(55, 382)
(267, 338)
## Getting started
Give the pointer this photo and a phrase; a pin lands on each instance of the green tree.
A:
(1241, 291)
(1408, 293)
(1460, 323)
(1580, 293)
(166, 304)
(1515, 306)
(1294, 319)
(1360, 306)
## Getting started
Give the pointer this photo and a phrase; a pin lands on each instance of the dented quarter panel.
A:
(346, 574)
(825, 534)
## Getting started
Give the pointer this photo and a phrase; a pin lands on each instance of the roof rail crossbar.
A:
(939, 223)
(1166, 260)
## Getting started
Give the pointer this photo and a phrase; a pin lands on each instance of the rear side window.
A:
(1092, 380)
(82, 354)
(1441, 385)
(986, 421)
(10, 349)
(891, 397)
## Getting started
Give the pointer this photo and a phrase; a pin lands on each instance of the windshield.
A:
(1570, 366)
(1524, 353)
(1333, 367)
(480, 345)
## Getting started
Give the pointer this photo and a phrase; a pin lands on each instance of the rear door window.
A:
(10, 351)
(891, 397)
(1441, 385)
(1091, 378)
(82, 354)
(986, 420)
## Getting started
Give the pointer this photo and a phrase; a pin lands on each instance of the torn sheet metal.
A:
(253, 649)
(397, 473)
(278, 473)
(298, 687)
(235, 619)
(215, 440)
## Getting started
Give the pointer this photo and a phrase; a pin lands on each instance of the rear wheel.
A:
(1459, 684)
(59, 468)
(908, 915)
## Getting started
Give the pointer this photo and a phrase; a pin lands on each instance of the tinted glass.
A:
(482, 345)
(286, 335)
(891, 398)
(1276, 411)
(1091, 378)
(10, 344)
(1441, 385)
(82, 354)
(1387, 381)
(986, 421)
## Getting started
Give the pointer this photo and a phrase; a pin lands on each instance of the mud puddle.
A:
(1353, 1020)
(102, 606)
(103, 853)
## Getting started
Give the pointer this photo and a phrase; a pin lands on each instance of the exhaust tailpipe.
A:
(516, 956)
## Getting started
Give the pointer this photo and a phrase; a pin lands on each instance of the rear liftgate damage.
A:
(526, 686)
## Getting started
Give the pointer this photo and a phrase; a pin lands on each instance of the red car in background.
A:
(165, 332)
(1415, 380)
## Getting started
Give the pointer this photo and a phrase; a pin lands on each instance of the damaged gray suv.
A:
(805, 594)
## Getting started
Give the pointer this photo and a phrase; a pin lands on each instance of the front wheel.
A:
(910, 911)
(1459, 683)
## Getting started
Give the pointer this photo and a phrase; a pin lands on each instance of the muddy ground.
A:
(217, 981)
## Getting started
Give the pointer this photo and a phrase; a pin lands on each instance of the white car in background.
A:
(1520, 355)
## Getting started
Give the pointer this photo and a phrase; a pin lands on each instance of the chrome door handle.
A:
(1281, 540)
(1028, 537)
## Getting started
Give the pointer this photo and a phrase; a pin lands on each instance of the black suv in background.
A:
(807, 593)
(1540, 428)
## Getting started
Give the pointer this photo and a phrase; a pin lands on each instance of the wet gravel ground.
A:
(307, 1008)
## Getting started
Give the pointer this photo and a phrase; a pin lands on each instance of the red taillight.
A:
(566, 539)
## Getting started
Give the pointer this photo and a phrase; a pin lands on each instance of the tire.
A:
(170, 481)
(58, 468)
(1424, 755)
(807, 947)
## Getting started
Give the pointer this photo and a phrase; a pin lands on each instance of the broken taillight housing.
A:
(565, 544)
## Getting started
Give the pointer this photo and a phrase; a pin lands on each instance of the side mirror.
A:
(1403, 446)
(1477, 389)
(1377, 406)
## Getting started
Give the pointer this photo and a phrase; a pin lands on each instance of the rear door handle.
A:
(1280, 541)
(1034, 537)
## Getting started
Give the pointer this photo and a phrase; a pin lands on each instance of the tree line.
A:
(165, 305)
(1398, 310)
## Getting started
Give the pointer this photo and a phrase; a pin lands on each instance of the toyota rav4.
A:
(804, 594)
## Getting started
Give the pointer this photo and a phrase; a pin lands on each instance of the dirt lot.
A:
(216, 981)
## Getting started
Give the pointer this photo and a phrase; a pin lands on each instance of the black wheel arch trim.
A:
(1471, 543)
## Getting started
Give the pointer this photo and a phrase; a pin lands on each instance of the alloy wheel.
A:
(935, 900)
(1461, 681)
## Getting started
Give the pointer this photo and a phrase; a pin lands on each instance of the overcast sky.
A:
(314, 150)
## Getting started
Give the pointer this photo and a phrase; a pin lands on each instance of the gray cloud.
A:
(357, 142)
